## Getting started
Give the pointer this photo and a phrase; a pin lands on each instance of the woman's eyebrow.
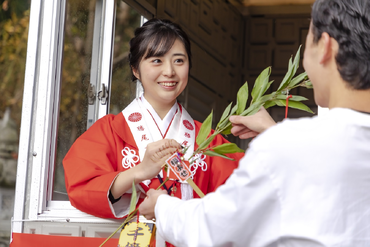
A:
(179, 54)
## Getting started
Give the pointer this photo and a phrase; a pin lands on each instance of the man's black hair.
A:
(348, 22)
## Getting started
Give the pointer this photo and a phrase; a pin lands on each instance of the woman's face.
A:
(165, 77)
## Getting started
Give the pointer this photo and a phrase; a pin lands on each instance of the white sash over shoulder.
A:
(144, 130)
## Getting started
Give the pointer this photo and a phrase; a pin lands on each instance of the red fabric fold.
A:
(38, 240)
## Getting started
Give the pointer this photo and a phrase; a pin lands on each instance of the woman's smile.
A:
(168, 84)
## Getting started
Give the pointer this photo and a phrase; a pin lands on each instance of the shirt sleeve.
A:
(245, 211)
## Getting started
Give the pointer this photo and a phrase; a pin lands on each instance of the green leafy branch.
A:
(259, 99)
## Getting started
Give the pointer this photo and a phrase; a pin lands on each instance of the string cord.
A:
(286, 105)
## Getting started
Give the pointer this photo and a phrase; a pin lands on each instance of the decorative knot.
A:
(198, 161)
(130, 158)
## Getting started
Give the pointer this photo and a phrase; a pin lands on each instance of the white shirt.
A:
(304, 182)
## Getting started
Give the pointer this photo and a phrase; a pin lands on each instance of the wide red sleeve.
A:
(219, 168)
(90, 167)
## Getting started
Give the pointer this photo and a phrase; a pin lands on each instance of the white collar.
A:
(162, 123)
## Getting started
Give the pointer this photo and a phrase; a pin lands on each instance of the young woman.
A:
(132, 146)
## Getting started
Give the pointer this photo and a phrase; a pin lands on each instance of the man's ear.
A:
(135, 72)
(326, 48)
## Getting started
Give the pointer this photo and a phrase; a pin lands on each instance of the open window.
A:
(76, 72)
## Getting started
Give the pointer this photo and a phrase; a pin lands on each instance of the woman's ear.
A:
(135, 72)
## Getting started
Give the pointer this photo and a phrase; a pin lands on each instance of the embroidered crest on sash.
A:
(135, 117)
(187, 135)
(130, 158)
(188, 125)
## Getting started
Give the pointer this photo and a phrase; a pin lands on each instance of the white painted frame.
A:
(40, 110)
(39, 31)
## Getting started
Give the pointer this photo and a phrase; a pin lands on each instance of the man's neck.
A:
(345, 97)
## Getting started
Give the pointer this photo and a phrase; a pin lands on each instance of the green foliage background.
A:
(14, 19)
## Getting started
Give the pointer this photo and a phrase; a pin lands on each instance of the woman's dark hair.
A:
(155, 38)
(348, 22)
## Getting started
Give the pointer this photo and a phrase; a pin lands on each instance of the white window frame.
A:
(40, 110)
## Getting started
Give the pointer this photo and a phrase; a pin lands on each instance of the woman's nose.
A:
(168, 70)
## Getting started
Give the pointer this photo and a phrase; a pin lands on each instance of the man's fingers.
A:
(248, 135)
(236, 119)
(236, 129)
(149, 193)
(239, 129)
(146, 208)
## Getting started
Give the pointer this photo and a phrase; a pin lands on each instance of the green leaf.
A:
(227, 131)
(205, 129)
(298, 79)
(269, 104)
(280, 102)
(133, 198)
(288, 76)
(292, 69)
(233, 110)
(307, 84)
(252, 109)
(227, 148)
(205, 143)
(267, 97)
(296, 60)
(293, 98)
(295, 105)
(226, 121)
(225, 114)
(299, 106)
(211, 153)
(242, 98)
(261, 84)
(267, 87)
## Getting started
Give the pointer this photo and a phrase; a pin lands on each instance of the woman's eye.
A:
(180, 60)
(156, 61)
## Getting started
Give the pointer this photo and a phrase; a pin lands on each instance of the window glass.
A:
(14, 20)
(77, 56)
(78, 37)
(123, 90)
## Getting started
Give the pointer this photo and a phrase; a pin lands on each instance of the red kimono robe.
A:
(95, 159)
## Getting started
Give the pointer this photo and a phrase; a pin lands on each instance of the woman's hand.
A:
(146, 208)
(249, 126)
(155, 156)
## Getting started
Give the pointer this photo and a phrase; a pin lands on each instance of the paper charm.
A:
(178, 168)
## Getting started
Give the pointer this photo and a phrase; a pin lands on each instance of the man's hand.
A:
(250, 126)
(146, 208)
